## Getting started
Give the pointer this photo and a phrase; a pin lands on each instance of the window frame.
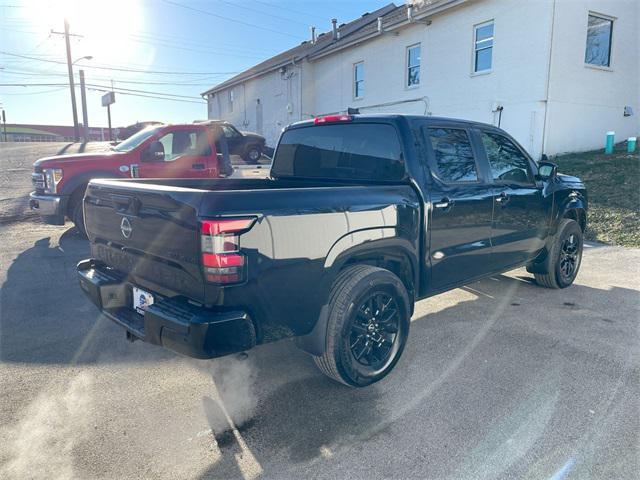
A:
(408, 67)
(610, 19)
(432, 163)
(475, 49)
(533, 167)
(356, 81)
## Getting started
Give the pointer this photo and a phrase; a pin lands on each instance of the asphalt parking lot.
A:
(501, 379)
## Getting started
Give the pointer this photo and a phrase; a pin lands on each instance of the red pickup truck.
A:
(159, 151)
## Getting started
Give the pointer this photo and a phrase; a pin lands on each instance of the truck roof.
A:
(335, 118)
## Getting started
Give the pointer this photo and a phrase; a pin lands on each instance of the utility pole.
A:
(109, 119)
(76, 133)
(83, 100)
(72, 87)
(4, 122)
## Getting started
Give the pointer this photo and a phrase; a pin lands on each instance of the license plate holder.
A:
(141, 299)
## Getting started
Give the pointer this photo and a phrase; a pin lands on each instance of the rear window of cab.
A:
(353, 151)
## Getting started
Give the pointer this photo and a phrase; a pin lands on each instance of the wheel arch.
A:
(364, 247)
(378, 247)
(78, 184)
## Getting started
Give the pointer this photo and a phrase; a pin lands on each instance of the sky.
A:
(173, 49)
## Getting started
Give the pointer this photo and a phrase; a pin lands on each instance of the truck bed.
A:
(301, 229)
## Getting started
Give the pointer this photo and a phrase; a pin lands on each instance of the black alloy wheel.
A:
(374, 329)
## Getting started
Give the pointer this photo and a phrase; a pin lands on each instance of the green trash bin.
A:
(608, 146)
(631, 144)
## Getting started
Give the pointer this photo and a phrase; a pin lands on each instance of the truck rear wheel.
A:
(367, 327)
(561, 266)
(253, 154)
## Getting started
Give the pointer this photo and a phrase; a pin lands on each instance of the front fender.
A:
(573, 204)
(70, 186)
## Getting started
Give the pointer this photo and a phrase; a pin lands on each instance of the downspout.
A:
(547, 87)
(244, 100)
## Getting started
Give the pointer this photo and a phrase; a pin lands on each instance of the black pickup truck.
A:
(361, 217)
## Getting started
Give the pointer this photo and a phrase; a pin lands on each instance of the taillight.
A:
(221, 257)
(332, 119)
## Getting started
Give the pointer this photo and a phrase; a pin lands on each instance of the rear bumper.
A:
(51, 207)
(172, 323)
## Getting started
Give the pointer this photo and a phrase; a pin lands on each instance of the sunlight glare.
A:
(104, 26)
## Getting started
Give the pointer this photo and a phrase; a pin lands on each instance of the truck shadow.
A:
(47, 319)
(487, 361)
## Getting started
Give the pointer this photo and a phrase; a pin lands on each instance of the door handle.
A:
(444, 204)
(198, 166)
(503, 198)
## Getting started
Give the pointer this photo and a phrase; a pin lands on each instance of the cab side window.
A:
(455, 161)
(230, 132)
(185, 142)
(508, 163)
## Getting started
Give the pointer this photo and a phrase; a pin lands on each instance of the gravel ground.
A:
(501, 379)
(16, 166)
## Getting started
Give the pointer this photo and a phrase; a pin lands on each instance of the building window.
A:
(231, 100)
(483, 47)
(413, 65)
(358, 80)
(599, 32)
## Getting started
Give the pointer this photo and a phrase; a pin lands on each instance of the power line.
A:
(253, 25)
(118, 69)
(273, 5)
(237, 5)
(146, 96)
(36, 93)
(102, 88)
(116, 89)
(133, 82)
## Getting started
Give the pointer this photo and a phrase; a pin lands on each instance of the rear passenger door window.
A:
(453, 154)
(508, 163)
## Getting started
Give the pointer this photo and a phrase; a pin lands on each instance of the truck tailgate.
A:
(150, 235)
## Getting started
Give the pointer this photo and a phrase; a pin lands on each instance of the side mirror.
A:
(153, 153)
(547, 170)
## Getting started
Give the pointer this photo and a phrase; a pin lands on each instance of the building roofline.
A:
(417, 18)
(325, 46)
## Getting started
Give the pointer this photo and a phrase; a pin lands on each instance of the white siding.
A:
(585, 102)
(279, 95)
(447, 85)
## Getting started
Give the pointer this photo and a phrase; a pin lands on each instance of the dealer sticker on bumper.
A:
(141, 300)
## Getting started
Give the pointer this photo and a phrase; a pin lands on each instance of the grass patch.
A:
(613, 187)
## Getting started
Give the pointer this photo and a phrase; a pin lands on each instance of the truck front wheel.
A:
(367, 327)
(78, 218)
(562, 263)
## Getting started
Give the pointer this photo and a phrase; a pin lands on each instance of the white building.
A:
(556, 74)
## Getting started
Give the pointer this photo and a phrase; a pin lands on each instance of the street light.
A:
(88, 57)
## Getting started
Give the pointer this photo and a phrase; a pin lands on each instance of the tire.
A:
(253, 154)
(562, 264)
(357, 323)
(77, 217)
